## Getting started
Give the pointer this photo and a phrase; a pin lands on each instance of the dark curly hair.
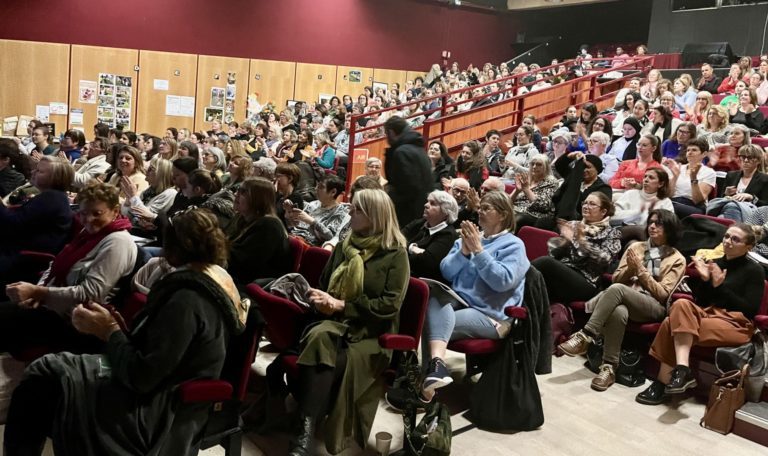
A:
(100, 191)
(194, 236)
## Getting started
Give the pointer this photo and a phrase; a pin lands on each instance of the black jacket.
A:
(410, 175)
(741, 291)
(710, 86)
(443, 169)
(758, 186)
(259, 250)
(566, 206)
(436, 247)
(10, 180)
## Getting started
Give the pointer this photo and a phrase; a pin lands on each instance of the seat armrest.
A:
(197, 391)
(676, 296)
(761, 322)
(516, 312)
(397, 342)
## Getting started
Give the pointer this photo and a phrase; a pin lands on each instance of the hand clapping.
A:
(471, 241)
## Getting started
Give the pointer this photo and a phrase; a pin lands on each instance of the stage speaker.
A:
(697, 53)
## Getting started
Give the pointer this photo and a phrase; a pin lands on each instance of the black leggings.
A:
(319, 384)
(564, 284)
(31, 415)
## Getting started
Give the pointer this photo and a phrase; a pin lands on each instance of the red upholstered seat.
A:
(577, 305)
(509, 188)
(284, 316)
(761, 321)
(297, 252)
(312, 264)
(486, 346)
(535, 240)
(723, 221)
(475, 346)
(644, 328)
(205, 391)
(132, 306)
(761, 141)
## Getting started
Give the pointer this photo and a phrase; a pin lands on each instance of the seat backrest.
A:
(509, 188)
(723, 221)
(414, 309)
(312, 264)
(297, 252)
(241, 353)
(764, 303)
(535, 240)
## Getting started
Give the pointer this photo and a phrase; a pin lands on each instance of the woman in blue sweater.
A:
(487, 270)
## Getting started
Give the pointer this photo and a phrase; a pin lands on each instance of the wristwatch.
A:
(694, 181)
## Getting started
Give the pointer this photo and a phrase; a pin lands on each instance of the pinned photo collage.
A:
(114, 100)
(222, 105)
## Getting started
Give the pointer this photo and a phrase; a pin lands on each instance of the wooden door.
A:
(215, 75)
(351, 80)
(33, 74)
(168, 83)
(88, 64)
(313, 80)
(272, 81)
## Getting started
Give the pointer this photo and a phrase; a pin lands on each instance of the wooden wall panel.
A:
(87, 62)
(390, 76)
(314, 79)
(345, 85)
(213, 72)
(272, 81)
(33, 74)
(410, 75)
(150, 110)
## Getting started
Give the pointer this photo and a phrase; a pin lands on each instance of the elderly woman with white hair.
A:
(214, 161)
(559, 139)
(597, 144)
(373, 168)
(264, 167)
(532, 197)
(431, 237)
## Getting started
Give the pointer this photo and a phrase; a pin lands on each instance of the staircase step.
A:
(751, 422)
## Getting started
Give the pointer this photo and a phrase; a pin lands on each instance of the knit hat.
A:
(634, 122)
(596, 162)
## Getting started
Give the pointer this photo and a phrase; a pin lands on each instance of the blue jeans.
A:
(444, 323)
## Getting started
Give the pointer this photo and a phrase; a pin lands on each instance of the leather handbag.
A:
(725, 397)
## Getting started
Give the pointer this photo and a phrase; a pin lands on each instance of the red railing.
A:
(454, 126)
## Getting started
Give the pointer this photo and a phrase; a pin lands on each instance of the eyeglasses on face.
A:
(732, 238)
(748, 157)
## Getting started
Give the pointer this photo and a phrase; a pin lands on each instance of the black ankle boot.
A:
(304, 443)
(23, 450)
(653, 395)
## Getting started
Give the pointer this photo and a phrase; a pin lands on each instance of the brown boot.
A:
(576, 345)
(604, 379)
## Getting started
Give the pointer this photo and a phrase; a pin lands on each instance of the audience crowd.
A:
(213, 211)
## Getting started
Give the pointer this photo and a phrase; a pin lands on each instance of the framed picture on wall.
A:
(292, 103)
(355, 76)
(212, 114)
(379, 85)
(324, 98)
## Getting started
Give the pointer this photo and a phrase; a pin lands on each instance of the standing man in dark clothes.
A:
(408, 170)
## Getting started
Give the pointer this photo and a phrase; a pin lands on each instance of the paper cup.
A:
(383, 442)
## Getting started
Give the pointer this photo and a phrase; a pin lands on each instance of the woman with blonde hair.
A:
(714, 126)
(130, 172)
(361, 290)
(168, 149)
(698, 112)
(234, 148)
(325, 154)
(239, 169)
(685, 98)
(156, 199)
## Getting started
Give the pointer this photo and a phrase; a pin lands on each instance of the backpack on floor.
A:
(562, 325)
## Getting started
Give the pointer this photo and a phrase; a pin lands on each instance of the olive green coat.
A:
(361, 323)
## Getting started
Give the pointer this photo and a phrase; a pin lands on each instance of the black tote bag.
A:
(507, 396)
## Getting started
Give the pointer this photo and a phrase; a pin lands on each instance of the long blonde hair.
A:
(378, 207)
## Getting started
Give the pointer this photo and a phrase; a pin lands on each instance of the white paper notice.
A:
(187, 106)
(58, 108)
(42, 112)
(161, 84)
(76, 117)
(172, 105)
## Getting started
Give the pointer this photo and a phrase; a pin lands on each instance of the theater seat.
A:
(476, 349)
(535, 240)
(297, 252)
(723, 221)
(312, 264)
(227, 394)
